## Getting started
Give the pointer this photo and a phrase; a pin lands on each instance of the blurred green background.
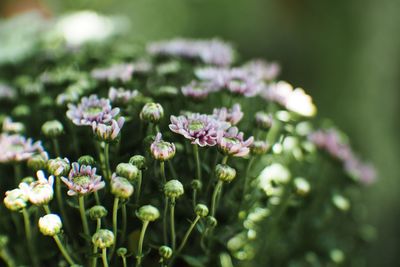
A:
(346, 53)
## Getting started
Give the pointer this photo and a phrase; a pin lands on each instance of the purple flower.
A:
(17, 148)
(82, 180)
(108, 131)
(200, 129)
(212, 51)
(7, 92)
(232, 115)
(363, 172)
(121, 72)
(196, 90)
(247, 86)
(231, 143)
(121, 95)
(92, 110)
(262, 70)
(162, 150)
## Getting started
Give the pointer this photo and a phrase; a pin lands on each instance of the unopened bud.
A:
(201, 210)
(225, 173)
(259, 147)
(139, 161)
(173, 189)
(196, 184)
(50, 224)
(127, 170)
(152, 112)
(121, 187)
(165, 252)
(86, 160)
(103, 238)
(148, 213)
(263, 120)
(52, 129)
(97, 212)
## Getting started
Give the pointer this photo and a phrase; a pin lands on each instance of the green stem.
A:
(140, 245)
(246, 177)
(56, 147)
(225, 160)
(107, 159)
(46, 209)
(115, 223)
(17, 172)
(63, 250)
(217, 189)
(187, 234)
(104, 257)
(172, 222)
(5, 255)
(197, 159)
(98, 224)
(124, 220)
(96, 198)
(85, 224)
(29, 240)
(162, 172)
(172, 170)
(94, 259)
(139, 187)
(165, 220)
(194, 199)
(124, 261)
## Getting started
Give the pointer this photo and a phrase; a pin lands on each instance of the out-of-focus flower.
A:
(200, 129)
(52, 128)
(50, 224)
(38, 162)
(121, 95)
(271, 177)
(196, 90)
(341, 202)
(363, 172)
(17, 148)
(212, 51)
(232, 115)
(246, 86)
(122, 72)
(231, 143)
(121, 187)
(262, 70)
(263, 120)
(16, 199)
(58, 166)
(40, 192)
(108, 132)
(7, 92)
(162, 150)
(92, 110)
(259, 147)
(152, 112)
(10, 126)
(302, 186)
(82, 180)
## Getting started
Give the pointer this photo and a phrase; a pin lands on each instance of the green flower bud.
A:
(225, 173)
(121, 252)
(37, 163)
(173, 189)
(97, 212)
(21, 111)
(52, 128)
(103, 238)
(302, 186)
(196, 184)
(152, 112)
(211, 221)
(139, 161)
(15, 199)
(165, 252)
(259, 147)
(86, 160)
(201, 210)
(58, 166)
(127, 170)
(148, 213)
(121, 187)
(50, 224)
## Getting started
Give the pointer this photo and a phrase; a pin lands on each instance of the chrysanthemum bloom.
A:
(40, 192)
(121, 95)
(91, 110)
(232, 115)
(10, 126)
(17, 148)
(200, 129)
(108, 132)
(213, 51)
(262, 70)
(58, 166)
(162, 150)
(231, 143)
(122, 72)
(217, 77)
(82, 180)
(247, 86)
(152, 112)
(196, 90)
(16, 199)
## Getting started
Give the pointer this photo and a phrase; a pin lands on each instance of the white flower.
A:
(301, 103)
(50, 224)
(39, 192)
(272, 176)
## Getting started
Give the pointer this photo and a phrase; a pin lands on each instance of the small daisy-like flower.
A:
(232, 115)
(262, 70)
(196, 90)
(247, 87)
(162, 150)
(231, 143)
(82, 180)
(17, 148)
(108, 131)
(200, 129)
(40, 192)
(91, 110)
(121, 95)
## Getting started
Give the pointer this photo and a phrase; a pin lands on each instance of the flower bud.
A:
(259, 147)
(127, 170)
(103, 238)
(37, 162)
(201, 210)
(152, 112)
(58, 166)
(148, 213)
(121, 252)
(86, 160)
(15, 199)
(139, 161)
(173, 189)
(3, 241)
(263, 120)
(161, 150)
(21, 111)
(165, 252)
(121, 187)
(211, 221)
(97, 212)
(52, 129)
(40, 192)
(50, 224)
(196, 184)
(302, 186)
(225, 173)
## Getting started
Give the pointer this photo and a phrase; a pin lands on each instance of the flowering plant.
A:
(195, 160)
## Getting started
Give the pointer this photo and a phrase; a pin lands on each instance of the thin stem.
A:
(162, 172)
(140, 245)
(17, 172)
(172, 222)
(96, 198)
(124, 261)
(187, 234)
(85, 224)
(63, 250)
(194, 198)
(94, 259)
(104, 257)
(46, 209)
(217, 189)
(56, 147)
(29, 240)
(246, 177)
(98, 224)
(5, 255)
(124, 220)
(172, 169)
(115, 223)
(225, 160)
(139, 187)
(197, 159)
(107, 159)
(165, 220)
